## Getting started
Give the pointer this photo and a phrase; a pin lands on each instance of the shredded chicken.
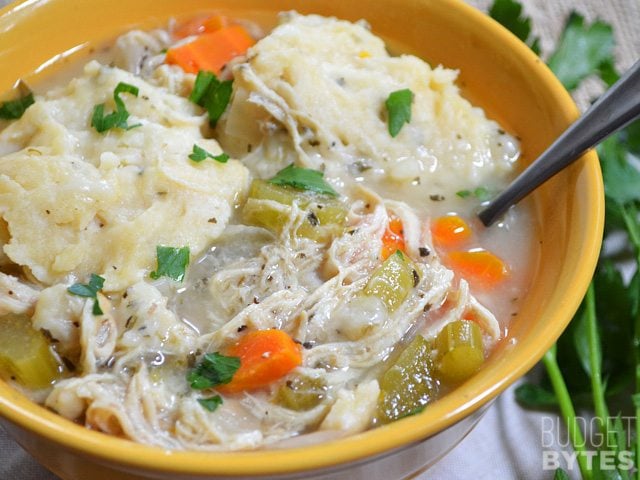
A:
(16, 296)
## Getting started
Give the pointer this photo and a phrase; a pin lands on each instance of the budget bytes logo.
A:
(611, 452)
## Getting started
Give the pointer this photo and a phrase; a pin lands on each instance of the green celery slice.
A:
(25, 354)
(326, 216)
(460, 351)
(301, 393)
(392, 281)
(409, 384)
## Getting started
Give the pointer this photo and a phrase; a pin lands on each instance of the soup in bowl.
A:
(256, 232)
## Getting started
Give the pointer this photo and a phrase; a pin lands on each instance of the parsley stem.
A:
(567, 410)
(595, 359)
(629, 215)
(595, 364)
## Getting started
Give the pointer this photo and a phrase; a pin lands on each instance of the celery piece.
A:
(392, 281)
(326, 216)
(460, 352)
(263, 190)
(409, 384)
(301, 393)
(25, 354)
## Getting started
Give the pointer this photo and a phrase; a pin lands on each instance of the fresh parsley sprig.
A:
(212, 94)
(199, 154)
(89, 290)
(118, 118)
(211, 403)
(172, 262)
(583, 50)
(481, 193)
(598, 355)
(509, 14)
(14, 109)
(303, 179)
(398, 106)
(213, 370)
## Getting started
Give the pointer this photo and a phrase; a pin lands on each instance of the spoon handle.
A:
(616, 108)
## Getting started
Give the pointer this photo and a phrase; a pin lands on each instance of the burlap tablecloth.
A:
(509, 442)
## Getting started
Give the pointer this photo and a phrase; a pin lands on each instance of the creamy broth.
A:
(333, 259)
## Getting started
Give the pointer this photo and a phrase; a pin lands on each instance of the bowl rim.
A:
(372, 444)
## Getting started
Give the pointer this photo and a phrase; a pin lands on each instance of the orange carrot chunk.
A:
(481, 268)
(200, 24)
(215, 22)
(211, 51)
(265, 356)
(393, 238)
(450, 231)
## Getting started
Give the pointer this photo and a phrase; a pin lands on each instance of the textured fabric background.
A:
(509, 442)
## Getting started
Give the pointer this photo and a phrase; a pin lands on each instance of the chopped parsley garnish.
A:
(481, 193)
(117, 118)
(214, 369)
(303, 179)
(212, 94)
(509, 14)
(14, 109)
(199, 154)
(399, 110)
(172, 262)
(211, 403)
(89, 290)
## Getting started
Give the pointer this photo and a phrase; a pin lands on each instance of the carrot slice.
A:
(480, 267)
(215, 22)
(199, 25)
(393, 238)
(211, 51)
(450, 231)
(265, 356)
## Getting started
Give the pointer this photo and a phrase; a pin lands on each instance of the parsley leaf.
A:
(117, 118)
(560, 475)
(211, 403)
(621, 178)
(199, 154)
(214, 369)
(509, 14)
(399, 110)
(89, 290)
(481, 193)
(632, 137)
(530, 395)
(583, 50)
(14, 109)
(172, 262)
(203, 80)
(212, 94)
(303, 179)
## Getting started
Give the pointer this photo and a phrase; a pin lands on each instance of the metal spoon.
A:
(618, 107)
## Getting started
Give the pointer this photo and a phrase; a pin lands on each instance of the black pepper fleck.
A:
(313, 219)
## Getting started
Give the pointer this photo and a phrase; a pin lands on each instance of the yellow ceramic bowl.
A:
(498, 73)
